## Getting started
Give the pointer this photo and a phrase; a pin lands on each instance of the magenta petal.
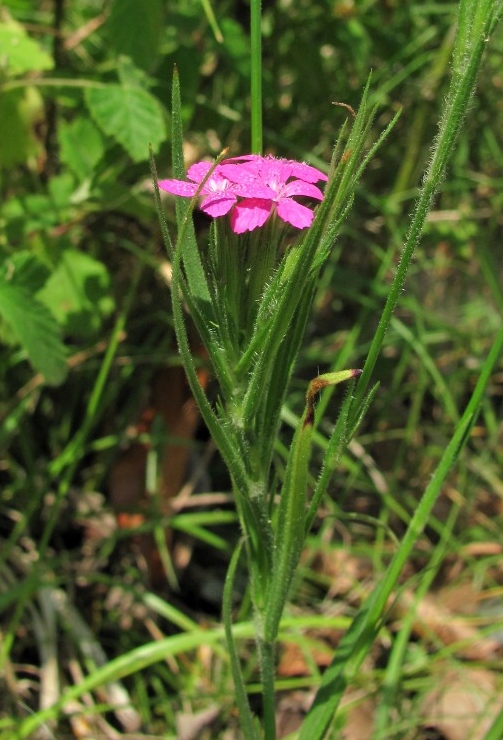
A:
(178, 187)
(271, 170)
(217, 204)
(199, 170)
(250, 214)
(253, 167)
(298, 187)
(306, 172)
(254, 189)
(285, 169)
(289, 167)
(233, 171)
(295, 214)
(242, 174)
(244, 158)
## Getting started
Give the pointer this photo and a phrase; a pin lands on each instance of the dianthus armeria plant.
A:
(249, 290)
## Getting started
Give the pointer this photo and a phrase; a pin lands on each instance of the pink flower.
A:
(272, 174)
(217, 194)
(252, 187)
(288, 167)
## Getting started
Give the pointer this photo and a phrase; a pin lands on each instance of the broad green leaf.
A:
(25, 270)
(130, 75)
(20, 110)
(78, 293)
(130, 115)
(61, 188)
(236, 45)
(36, 329)
(19, 52)
(82, 146)
(135, 30)
(28, 218)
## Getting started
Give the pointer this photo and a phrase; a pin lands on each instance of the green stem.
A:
(466, 67)
(245, 713)
(210, 15)
(266, 653)
(256, 75)
(496, 729)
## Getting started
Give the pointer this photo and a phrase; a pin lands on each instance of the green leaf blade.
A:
(135, 30)
(130, 115)
(78, 293)
(37, 331)
(21, 53)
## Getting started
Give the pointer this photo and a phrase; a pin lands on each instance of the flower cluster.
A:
(250, 188)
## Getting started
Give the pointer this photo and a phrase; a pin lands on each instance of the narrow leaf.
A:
(196, 277)
(245, 713)
(356, 643)
(290, 523)
(467, 58)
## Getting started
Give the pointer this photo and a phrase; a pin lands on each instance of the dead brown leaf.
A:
(171, 400)
(293, 659)
(432, 618)
(462, 704)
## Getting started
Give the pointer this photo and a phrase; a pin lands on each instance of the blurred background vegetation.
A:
(101, 448)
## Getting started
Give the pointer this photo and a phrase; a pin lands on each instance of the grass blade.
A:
(357, 641)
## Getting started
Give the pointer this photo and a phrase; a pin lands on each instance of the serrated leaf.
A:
(130, 75)
(78, 293)
(135, 30)
(36, 330)
(25, 270)
(82, 146)
(130, 115)
(20, 53)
